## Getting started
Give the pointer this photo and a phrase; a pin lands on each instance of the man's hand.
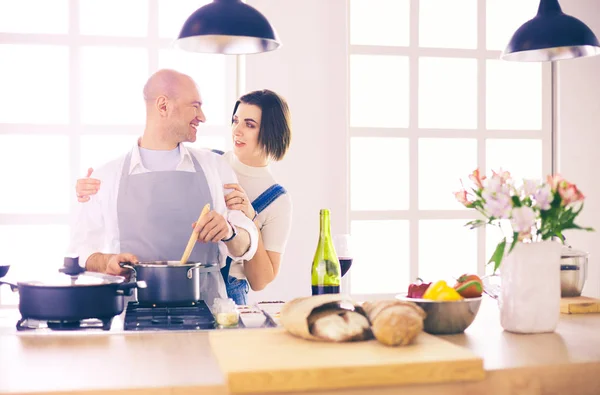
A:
(115, 269)
(86, 187)
(212, 227)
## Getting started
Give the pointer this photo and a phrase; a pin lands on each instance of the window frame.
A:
(75, 129)
(413, 133)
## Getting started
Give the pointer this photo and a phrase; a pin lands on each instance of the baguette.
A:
(331, 317)
(395, 322)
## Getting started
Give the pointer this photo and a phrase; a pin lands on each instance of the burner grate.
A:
(30, 324)
(191, 316)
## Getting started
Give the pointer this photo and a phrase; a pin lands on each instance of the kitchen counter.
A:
(567, 361)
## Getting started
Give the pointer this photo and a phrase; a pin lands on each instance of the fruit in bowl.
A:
(469, 286)
(441, 291)
(449, 309)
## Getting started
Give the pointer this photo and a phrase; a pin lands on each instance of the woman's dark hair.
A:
(275, 133)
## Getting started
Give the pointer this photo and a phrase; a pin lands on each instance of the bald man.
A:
(152, 196)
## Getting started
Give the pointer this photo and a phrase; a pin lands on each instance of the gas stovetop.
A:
(192, 316)
(139, 317)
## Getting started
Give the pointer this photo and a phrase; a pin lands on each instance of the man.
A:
(151, 196)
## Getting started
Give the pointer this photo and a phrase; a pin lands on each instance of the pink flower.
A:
(461, 196)
(569, 193)
(477, 178)
(502, 175)
(554, 181)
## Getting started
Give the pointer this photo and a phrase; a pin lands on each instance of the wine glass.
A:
(341, 243)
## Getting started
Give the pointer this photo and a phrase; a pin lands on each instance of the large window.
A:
(71, 77)
(429, 102)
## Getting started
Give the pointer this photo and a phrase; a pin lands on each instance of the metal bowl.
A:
(573, 272)
(4, 270)
(446, 317)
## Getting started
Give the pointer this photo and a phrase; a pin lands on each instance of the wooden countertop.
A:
(567, 361)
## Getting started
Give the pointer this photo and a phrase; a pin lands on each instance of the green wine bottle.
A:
(325, 272)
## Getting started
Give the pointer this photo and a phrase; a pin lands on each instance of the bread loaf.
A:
(331, 317)
(395, 322)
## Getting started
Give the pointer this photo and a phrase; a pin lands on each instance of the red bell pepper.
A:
(416, 290)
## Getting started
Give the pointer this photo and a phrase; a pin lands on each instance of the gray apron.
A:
(155, 212)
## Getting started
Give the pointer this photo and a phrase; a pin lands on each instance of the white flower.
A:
(543, 197)
(529, 187)
(523, 218)
(497, 204)
(493, 184)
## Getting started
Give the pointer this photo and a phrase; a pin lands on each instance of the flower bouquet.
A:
(536, 211)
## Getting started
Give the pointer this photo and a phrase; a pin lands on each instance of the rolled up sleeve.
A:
(239, 220)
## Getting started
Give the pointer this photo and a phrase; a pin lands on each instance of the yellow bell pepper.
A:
(441, 291)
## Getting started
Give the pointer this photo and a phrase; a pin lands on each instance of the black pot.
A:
(169, 282)
(73, 295)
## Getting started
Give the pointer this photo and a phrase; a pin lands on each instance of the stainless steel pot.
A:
(169, 281)
(573, 271)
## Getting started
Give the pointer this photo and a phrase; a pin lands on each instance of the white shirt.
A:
(275, 221)
(95, 227)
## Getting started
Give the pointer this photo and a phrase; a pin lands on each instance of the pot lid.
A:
(73, 275)
(82, 279)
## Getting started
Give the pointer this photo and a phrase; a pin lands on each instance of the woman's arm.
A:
(263, 268)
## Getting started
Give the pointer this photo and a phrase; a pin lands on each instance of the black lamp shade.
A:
(551, 35)
(227, 27)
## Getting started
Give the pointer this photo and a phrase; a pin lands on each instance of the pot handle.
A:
(127, 265)
(134, 284)
(126, 288)
(13, 287)
(190, 272)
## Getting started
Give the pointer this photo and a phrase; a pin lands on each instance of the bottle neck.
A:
(325, 225)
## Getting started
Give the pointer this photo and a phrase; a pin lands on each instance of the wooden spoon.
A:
(193, 238)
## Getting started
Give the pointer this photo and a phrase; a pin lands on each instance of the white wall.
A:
(310, 72)
(579, 137)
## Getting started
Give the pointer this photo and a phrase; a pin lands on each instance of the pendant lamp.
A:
(227, 27)
(551, 35)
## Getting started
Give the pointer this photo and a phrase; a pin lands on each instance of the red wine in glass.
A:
(345, 264)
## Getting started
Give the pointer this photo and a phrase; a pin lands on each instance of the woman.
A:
(261, 133)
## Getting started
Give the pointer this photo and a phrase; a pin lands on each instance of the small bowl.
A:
(446, 317)
(4, 270)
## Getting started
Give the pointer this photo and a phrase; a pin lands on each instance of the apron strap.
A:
(268, 197)
(225, 270)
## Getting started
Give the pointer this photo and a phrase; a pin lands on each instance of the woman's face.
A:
(244, 129)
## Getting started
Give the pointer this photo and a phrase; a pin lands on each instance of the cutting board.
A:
(271, 360)
(579, 305)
